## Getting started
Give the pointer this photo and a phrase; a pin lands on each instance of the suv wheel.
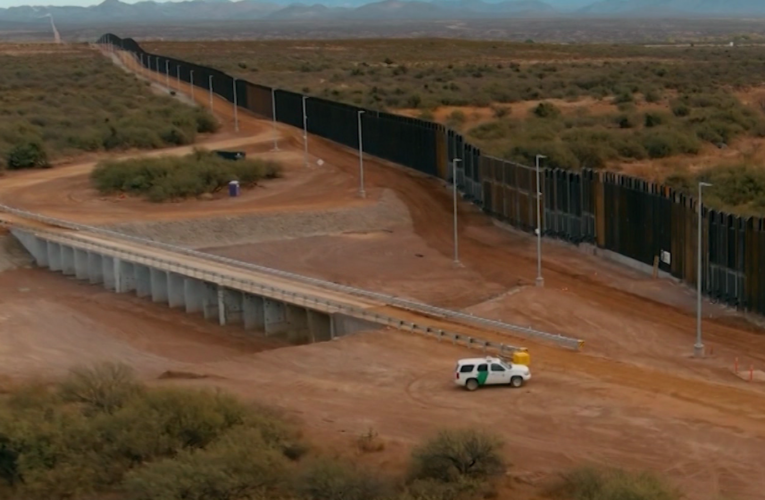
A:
(516, 381)
(471, 384)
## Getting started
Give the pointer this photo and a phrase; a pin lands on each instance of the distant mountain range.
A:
(115, 11)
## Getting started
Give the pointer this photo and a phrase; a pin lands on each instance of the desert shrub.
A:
(661, 142)
(456, 118)
(370, 442)
(164, 178)
(680, 109)
(500, 111)
(457, 454)
(546, 110)
(175, 442)
(240, 465)
(327, 479)
(102, 387)
(27, 155)
(591, 483)
(462, 489)
(48, 107)
(654, 119)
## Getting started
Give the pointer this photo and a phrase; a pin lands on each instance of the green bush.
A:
(169, 178)
(240, 465)
(48, 110)
(454, 455)
(153, 444)
(103, 387)
(590, 483)
(335, 480)
(27, 155)
(661, 142)
(546, 110)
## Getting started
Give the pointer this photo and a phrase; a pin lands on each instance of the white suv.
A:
(473, 373)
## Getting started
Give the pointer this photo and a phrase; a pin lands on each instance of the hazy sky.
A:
(84, 3)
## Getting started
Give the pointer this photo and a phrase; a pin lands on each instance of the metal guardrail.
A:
(406, 304)
(244, 285)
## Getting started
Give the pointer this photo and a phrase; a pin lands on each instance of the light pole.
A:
(361, 160)
(167, 74)
(211, 93)
(178, 75)
(454, 185)
(236, 111)
(698, 348)
(540, 279)
(142, 65)
(305, 134)
(273, 118)
(191, 84)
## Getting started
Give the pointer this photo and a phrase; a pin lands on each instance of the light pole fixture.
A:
(211, 92)
(362, 193)
(540, 280)
(305, 134)
(273, 119)
(698, 348)
(454, 196)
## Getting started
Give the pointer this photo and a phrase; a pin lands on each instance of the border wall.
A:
(628, 216)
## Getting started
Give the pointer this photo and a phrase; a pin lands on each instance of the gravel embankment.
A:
(223, 231)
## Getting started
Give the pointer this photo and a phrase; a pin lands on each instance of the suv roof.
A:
(487, 359)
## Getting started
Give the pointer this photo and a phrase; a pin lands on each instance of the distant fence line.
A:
(631, 217)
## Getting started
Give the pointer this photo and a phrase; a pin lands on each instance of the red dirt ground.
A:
(633, 398)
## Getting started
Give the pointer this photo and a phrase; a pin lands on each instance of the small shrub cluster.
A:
(172, 178)
(75, 100)
(738, 188)
(590, 483)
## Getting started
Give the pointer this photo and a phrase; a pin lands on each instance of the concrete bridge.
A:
(277, 303)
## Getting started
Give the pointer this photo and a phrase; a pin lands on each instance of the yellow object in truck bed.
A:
(521, 358)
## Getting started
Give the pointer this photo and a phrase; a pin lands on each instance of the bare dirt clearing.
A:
(633, 398)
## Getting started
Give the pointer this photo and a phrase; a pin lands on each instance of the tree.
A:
(453, 455)
(27, 155)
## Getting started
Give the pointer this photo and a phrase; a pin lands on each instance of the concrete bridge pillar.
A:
(253, 313)
(124, 276)
(54, 256)
(211, 301)
(108, 267)
(158, 280)
(95, 268)
(320, 326)
(175, 290)
(275, 314)
(67, 260)
(142, 280)
(81, 264)
(230, 306)
(297, 318)
(193, 294)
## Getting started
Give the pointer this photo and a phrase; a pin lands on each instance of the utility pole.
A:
(698, 348)
(540, 280)
(273, 119)
(236, 111)
(454, 191)
(362, 193)
(211, 93)
(305, 134)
